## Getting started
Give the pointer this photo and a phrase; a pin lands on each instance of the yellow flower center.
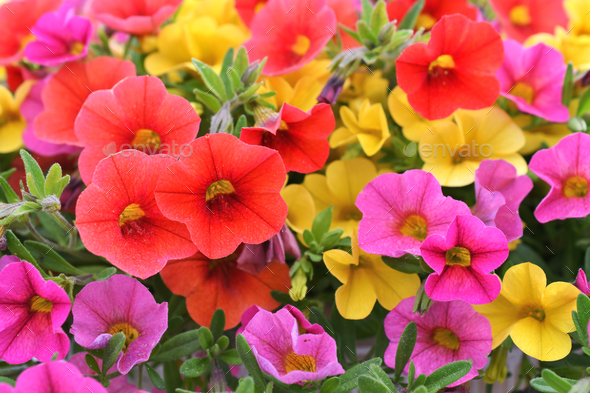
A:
(219, 187)
(38, 304)
(77, 48)
(146, 138)
(284, 126)
(520, 15)
(301, 45)
(446, 338)
(350, 213)
(458, 256)
(426, 21)
(132, 212)
(131, 333)
(260, 5)
(443, 61)
(534, 312)
(575, 186)
(524, 91)
(299, 362)
(414, 226)
(25, 40)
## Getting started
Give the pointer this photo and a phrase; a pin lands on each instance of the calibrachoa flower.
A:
(306, 27)
(254, 258)
(575, 48)
(533, 79)
(577, 12)
(401, 210)
(134, 16)
(582, 282)
(432, 12)
(456, 69)
(31, 314)
(499, 192)
(12, 123)
(537, 316)
(449, 332)
(366, 279)
(209, 284)
(67, 90)
(138, 113)
(60, 37)
(462, 261)
(291, 349)
(299, 137)
(226, 192)
(566, 167)
(119, 304)
(118, 217)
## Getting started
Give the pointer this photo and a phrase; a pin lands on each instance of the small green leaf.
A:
(223, 342)
(583, 386)
(419, 381)
(370, 385)
(194, 367)
(63, 184)
(241, 62)
(208, 100)
(558, 383)
(112, 351)
(321, 223)
(420, 389)
(172, 378)
(249, 361)
(9, 381)
(365, 33)
(269, 387)
(330, 385)
(246, 385)
(231, 357)
(32, 186)
(11, 195)
(378, 373)
(32, 168)
(308, 237)
(53, 180)
(568, 85)
(349, 380)
(227, 65)
(331, 238)
(407, 263)
(405, 348)
(18, 250)
(241, 123)
(211, 79)
(411, 17)
(218, 323)
(446, 375)
(155, 377)
(92, 363)
(206, 337)
(583, 305)
(379, 17)
(51, 259)
(105, 274)
(584, 105)
(411, 374)
(350, 32)
(183, 344)
(367, 9)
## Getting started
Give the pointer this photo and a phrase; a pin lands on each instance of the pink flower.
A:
(401, 210)
(463, 260)
(582, 283)
(7, 260)
(533, 79)
(61, 36)
(119, 304)
(566, 167)
(499, 192)
(118, 384)
(32, 311)
(449, 332)
(285, 353)
(256, 257)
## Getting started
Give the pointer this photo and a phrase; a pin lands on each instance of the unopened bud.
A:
(298, 286)
(50, 204)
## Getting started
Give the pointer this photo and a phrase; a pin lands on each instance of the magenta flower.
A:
(463, 260)
(533, 79)
(256, 257)
(449, 332)
(401, 210)
(582, 283)
(61, 36)
(285, 353)
(119, 304)
(499, 192)
(7, 260)
(566, 167)
(32, 311)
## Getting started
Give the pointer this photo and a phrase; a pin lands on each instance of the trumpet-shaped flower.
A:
(134, 16)
(537, 316)
(361, 86)
(366, 279)
(256, 257)
(432, 12)
(401, 210)
(548, 134)
(582, 282)
(301, 207)
(574, 48)
(579, 19)
(12, 122)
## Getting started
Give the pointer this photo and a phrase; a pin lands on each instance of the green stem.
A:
(40, 237)
(128, 47)
(70, 229)
(140, 381)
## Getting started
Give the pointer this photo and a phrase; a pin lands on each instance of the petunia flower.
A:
(577, 12)
(134, 16)
(254, 258)
(532, 78)
(456, 69)
(366, 279)
(369, 128)
(66, 91)
(499, 192)
(566, 168)
(6, 260)
(289, 348)
(401, 210)
(60, 37)
(249, 8)
(209, 284)
(520, 19)
(138, 113)
(305, 28)
(12, 122)
(299, 137)
(462, 261)
(432, 12)
(537, 316)
(226, 192)
(574, 48)
(118, 218)
(582, 282)
(449, 332)
(32, 312)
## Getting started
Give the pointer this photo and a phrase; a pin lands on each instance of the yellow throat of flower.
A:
(295, 362)
(445, 62)
(130, 332)
(414, 226)
(77, 48)
(520, 15)
(146, 138)
(301, 45)
(446, 338)
(426, 21)
(38, 304)
(575, 186)
(524, 91)
(132, 212)
(220, 187)
(458, 256)
(535, 312)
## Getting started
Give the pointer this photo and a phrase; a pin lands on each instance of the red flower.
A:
(67, 90)
(299, 137)
(118, 217)
(211, 284)
(248, 8)
(456, 69)
(137, 113)
(432, 12)
(290, 33)
(226, 192)
(523, 18)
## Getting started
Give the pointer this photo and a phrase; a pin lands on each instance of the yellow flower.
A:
(537, 316)
(366, 279)
(301, 207)
(370, 128)
(577, 11)
(12, 123)
(413, 125)
(452, 152)
(548, 134)
(364, 85)
(575, 48)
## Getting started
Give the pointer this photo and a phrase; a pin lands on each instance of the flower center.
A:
(524, 91)
(534, 312)
(446, 338)
(414, 226)
(299, 362)
(77, 48)
(146, 138)
(130, 332)
(284, 126)
(38, 304)
(520, 15)
(219, 187)
(575, 186)
(301, 45)
(132, 212)
(444, 61)
(25, 40)
(458, 256)
(426, 21)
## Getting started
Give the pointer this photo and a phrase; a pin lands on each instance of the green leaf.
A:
(583, 305)
(246, 385)
(227, 66)
(63, 184)
(183, 344)
(32, 186)
(330, 239)
(540, 385)
(420, 389)
(37, 178)
(172, 378)
(558, 383)
(112, 351)
(18, 250)
(345, 329)
(51, 259)
(350, 32)
(446, 375)
(405, 348)
(231, 357)
(419, 381)
(379, 17)
(211, 79)
(378, 373)
(568, 85)
(349, 380)
(218, 323)
(249, 361)
(330, 385)
(53, 180)
(584, 105)
(308, 237)
(155, 377)
(194, 367)
(406, 264)
(411, 374)
(9, 381)
(241, 62)
(411, 17)
(269, 387)
(105, 274)
(92, 363)
(365, 33)
(208, 100)
(321, 223)
(11, 195)
(241, 123)
(583, 386)
(367, 9)
(223, 342)
(370, 385)
(206, 337)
